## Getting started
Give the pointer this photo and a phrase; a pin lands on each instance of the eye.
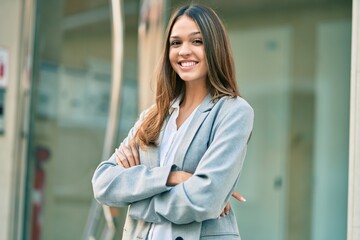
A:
(198, 41)
(175, 43)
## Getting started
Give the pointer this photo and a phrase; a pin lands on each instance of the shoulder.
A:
(142, 117)
(232, 117)
(147, 110)
(234, 106)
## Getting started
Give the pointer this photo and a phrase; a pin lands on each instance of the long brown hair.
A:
(221, 73)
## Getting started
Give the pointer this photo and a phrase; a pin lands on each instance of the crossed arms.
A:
(159, 194)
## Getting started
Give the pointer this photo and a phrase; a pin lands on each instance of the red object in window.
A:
(42, 154)
(37, 205)
(2, 70)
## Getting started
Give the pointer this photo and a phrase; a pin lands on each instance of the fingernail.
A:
(243, 199)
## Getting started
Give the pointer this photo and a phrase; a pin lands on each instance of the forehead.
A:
(184, 25)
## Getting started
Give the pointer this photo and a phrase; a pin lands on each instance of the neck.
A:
(194, 94)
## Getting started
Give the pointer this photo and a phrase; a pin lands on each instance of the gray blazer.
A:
(213, 150)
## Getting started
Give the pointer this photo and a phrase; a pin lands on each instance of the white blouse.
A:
(168, 146)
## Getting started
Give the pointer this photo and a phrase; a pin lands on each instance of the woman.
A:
(180, 163)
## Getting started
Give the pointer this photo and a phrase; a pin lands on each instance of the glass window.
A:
(70, 100)
(298, 155)
(293, 66)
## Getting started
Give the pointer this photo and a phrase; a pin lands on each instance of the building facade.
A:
(74, 76)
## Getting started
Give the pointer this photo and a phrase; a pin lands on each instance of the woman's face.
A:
(187, 53)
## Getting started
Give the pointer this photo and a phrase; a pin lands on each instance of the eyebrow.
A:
(191, 34)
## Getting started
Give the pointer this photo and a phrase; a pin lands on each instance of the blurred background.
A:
(293, 66)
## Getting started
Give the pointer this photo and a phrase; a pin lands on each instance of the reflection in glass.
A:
(69, 109)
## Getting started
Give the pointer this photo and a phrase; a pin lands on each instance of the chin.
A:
(186, 77)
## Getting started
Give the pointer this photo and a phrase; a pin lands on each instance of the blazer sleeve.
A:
(205, 194)
(116, 186)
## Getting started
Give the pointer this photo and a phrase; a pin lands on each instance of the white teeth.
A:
(187, 64)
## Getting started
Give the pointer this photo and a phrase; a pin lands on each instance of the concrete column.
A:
(151, 32)
(10, 35)
(354, 141)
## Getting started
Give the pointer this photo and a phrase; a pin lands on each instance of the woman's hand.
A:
(227, 208)
(127, 156)
(177, 177)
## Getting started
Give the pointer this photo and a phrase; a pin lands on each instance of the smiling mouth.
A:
(188, 64)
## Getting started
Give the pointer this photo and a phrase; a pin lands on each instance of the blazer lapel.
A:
(194, 125)
(151, 156)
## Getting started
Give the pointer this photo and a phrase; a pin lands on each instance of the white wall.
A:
(10, 35)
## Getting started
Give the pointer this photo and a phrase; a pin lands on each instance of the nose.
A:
(185, 49)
